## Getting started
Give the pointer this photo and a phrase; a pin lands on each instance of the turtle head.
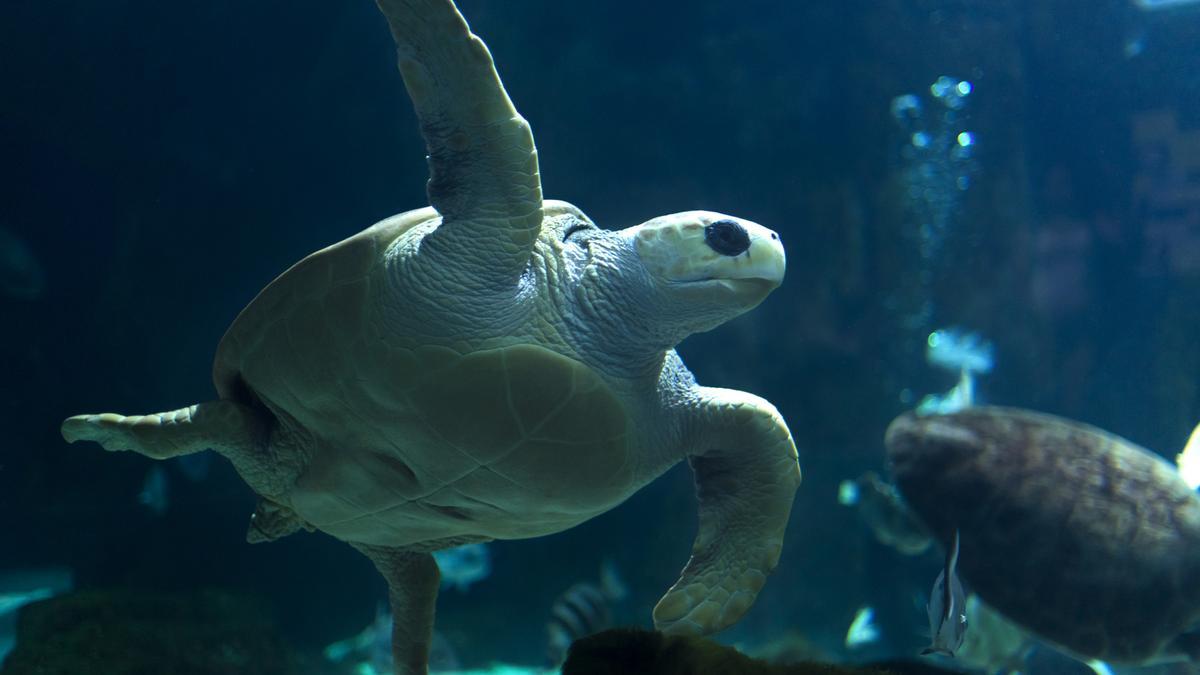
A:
(710, 259)
(647, 287)
(705, 268)
(656, 283)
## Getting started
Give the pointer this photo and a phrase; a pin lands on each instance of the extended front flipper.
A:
(482, 162)
(412, 580)
(746, 477)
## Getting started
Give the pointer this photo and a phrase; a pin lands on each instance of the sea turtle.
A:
(492, 367)
(1082, 537)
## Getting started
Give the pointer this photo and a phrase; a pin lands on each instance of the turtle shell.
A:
(1080, 536)
(407, 443)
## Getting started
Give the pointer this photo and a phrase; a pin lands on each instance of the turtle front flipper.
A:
(482, 161)
(412, 580)
(220, 425)
(745, 482)
(233, 430)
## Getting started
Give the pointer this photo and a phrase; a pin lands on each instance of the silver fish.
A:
(947, 608)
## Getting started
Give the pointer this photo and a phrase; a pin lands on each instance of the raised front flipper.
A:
(412, 580)
(482, 162)
(746, 477)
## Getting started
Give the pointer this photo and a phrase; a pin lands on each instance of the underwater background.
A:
(1027, 172)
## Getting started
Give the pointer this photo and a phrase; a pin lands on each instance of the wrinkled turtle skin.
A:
(493, 366)
(1082, 537)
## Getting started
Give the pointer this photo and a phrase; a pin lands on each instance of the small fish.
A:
(962, 395)
(581, 610)
(21, 275)
(442, 655)
(1156, 5)
(862, 630)
(21, 587)
(947, 608)
(848, 494)
(464, 565)
(379, 644)
(154, 492)
(364, 645)
(370, 651)
(955, 350)
(1135, 44)
(1188, 461)
(967, 354)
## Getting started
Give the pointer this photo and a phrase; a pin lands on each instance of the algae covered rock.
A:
(127, 632)
(635, 651)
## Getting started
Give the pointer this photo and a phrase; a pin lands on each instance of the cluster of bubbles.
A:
(936, 167)
(938, 157)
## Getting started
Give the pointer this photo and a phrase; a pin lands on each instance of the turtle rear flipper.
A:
(745, 483)
(271, 521)
(413, 579)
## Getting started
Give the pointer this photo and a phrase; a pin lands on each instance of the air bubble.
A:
(906, 107)
(942, 86)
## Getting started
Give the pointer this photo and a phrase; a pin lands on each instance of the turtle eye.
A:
(577, 227)
(727, 237)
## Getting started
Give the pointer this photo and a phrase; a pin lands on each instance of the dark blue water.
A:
(163, 161)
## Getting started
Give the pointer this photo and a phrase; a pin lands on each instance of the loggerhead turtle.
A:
(1082, 537)
(493, 367)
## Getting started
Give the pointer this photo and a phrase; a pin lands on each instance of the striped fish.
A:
(581, 610)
